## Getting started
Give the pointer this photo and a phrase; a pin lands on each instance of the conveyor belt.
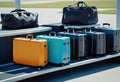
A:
(12, 72)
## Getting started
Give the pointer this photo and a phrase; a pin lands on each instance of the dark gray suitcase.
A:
(112, 38)
(78, 45)
(96, 43)
(56, 27)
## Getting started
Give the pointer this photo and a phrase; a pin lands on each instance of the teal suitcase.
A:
(58, 49)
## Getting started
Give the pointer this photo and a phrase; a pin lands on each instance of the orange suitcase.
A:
(30, 52)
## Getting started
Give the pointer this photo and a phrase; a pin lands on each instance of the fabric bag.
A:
(80, 14)
(18, 19)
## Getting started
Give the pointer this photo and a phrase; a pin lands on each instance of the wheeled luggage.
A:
(6, 40)
(78, 45)
(30, 52)
(112, 38)
(58, 49)
(56, 27)
(96, 43)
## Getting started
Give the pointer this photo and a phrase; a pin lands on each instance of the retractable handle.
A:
(29, 36)
(54, 33)
(68, 30)
(81, 3)
(106, 24)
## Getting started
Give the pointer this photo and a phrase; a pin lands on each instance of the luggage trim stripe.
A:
(8, 71)
(3, 65)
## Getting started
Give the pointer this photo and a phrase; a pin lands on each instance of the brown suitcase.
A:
(28, 51)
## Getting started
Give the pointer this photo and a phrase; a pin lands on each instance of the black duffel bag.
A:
(18, 19)
(80, 14)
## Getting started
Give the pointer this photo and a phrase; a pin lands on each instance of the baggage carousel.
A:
(11, 72)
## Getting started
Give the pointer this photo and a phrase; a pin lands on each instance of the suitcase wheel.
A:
(61, 64)
(79, 58)
(39, 68)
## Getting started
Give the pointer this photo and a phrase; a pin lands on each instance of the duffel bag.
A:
(18, 19)
(80, 14)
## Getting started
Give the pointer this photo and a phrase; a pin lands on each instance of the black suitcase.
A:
(78, 45)
(56, 27)
(96, 43)
(112, 38)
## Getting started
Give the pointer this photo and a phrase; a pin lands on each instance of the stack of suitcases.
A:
(66, 46)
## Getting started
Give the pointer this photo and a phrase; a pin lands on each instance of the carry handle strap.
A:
(20, 11)
(108, 24)
(29, 36)
(17, 10)
(82, 3)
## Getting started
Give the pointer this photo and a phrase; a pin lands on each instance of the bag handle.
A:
(18, 10)
(82, 3)
(108, 24)
(29, 36)
(54, 33)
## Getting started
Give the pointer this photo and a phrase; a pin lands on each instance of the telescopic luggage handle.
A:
(50, 33)
(29, 36)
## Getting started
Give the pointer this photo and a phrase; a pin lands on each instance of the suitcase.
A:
(96, 43)
(56, 27)
(58, 49)
(78, 45)
(30, 52)
(112, 38)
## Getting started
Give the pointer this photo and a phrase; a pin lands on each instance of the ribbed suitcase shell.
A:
(112, 38)
(58, 49)
(78, 45)
(96, 43)
(30, 52)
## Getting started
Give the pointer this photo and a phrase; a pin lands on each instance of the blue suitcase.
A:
(78, 44)
(58, 49)
(112, 38)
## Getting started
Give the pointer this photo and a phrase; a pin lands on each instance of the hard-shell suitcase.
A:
(30, 52)
(78, 45)
(58, 49)
(56, 27)
(96, 43)
(112, 38)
